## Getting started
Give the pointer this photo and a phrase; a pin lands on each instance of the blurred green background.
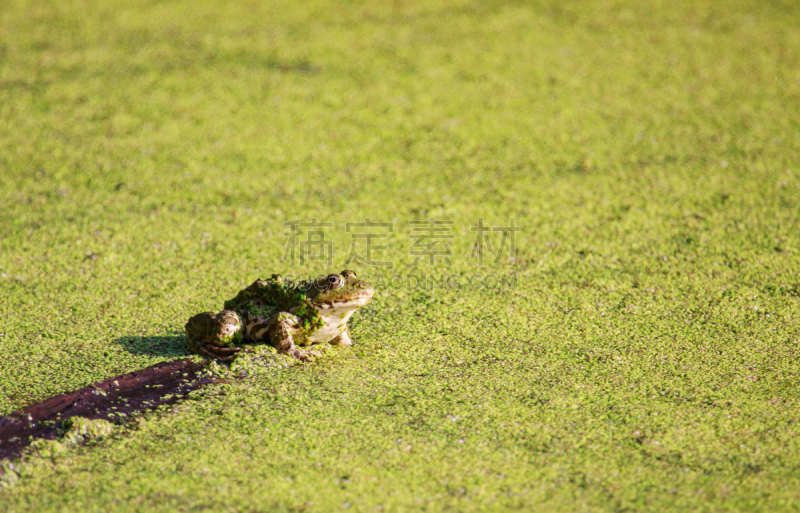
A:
(150, 153)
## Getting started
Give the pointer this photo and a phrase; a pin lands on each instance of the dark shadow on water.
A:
(170, 345)
(113, 399)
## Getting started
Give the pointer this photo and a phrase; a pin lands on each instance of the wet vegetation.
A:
(644, 357)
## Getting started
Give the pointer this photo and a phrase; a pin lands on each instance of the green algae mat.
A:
(581, 220)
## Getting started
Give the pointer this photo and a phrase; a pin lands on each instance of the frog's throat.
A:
(334, 315)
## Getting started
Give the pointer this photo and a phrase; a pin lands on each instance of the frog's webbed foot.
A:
(226, 354)
(215, 335)
(304, 355)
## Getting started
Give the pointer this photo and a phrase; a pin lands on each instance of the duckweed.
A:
(642, 354)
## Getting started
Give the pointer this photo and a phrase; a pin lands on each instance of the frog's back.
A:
(264, 298)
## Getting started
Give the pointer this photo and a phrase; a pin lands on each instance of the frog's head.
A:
(343, 291)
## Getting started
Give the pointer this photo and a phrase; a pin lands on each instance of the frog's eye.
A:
(347, 273)
(334, 280)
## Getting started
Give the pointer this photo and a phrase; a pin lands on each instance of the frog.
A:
(292, 316)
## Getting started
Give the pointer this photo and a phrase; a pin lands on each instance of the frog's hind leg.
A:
(279, 330)
(215, 335)
(256, 328)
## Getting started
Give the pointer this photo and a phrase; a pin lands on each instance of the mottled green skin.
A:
(219, 330)
(266, 298)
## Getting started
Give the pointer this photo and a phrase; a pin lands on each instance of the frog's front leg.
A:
(279, 331)
(343, 339)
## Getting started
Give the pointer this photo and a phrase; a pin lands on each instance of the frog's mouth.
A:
(362, 298)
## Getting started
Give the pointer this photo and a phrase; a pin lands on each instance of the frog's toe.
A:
(211, 354)
(303, 355)
(226, 354)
